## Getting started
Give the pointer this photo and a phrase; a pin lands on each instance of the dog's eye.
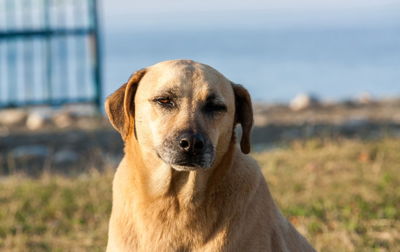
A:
(212, 107)
(164, 101)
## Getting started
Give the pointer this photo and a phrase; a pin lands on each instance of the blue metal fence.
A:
(49, 52)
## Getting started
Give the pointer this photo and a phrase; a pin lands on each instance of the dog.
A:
(184, 184)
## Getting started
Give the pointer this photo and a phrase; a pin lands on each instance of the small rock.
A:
(303, 101)
(80, 110)
(37, 120)
(64, 120)
(364, 98)
(349, 104)
(12, 117)
(87, 123)
(396, 118)
(260, 120)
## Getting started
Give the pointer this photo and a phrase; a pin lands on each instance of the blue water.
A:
(274, 65)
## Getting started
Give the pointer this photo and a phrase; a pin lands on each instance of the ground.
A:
(343, 195)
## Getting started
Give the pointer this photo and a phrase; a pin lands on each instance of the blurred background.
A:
(323, 75)
(334, 49)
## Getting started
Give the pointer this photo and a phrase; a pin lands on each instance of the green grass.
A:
(342, 195)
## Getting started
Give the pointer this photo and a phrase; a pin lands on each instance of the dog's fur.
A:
(164, 200)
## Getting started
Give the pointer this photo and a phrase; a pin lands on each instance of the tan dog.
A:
(183, 185)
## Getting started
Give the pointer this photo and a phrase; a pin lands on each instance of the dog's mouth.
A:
(190, 165)
(183, 162)
(185, 167)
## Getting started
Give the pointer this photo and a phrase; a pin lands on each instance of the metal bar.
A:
(79, 46)
(11, 52)
(44, 33)
(63, 89)
(28, 83)
(97, 57)
(48, 51)
(52, 102)
(3, 83)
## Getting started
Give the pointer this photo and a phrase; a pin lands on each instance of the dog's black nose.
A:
(190, 142)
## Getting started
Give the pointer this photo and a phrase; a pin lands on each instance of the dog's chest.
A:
(173, 230)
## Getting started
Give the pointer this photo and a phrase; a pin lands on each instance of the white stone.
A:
(12, 117)
(364, 98)
(80, 110)
(303, 101)
(260, 120)
(63, 120)
(37, 120)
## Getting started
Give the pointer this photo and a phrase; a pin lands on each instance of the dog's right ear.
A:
(120, 107)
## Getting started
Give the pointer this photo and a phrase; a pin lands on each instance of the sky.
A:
(122, 14)
(225, 5)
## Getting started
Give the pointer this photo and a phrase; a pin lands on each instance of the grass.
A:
(343, 195)
(55, 213)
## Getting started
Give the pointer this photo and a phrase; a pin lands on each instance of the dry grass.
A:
(55, 213)
(343, 195)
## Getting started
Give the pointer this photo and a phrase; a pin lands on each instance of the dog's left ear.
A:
(120, 107)
(244, 115)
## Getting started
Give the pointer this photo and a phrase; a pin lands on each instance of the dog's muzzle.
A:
(187, 151)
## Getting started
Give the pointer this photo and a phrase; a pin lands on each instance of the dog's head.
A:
(181, 112)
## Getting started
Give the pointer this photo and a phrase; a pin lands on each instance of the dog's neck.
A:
(155, 180)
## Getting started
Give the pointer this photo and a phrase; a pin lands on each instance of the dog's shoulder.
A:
(246, 167)
(244, 176)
